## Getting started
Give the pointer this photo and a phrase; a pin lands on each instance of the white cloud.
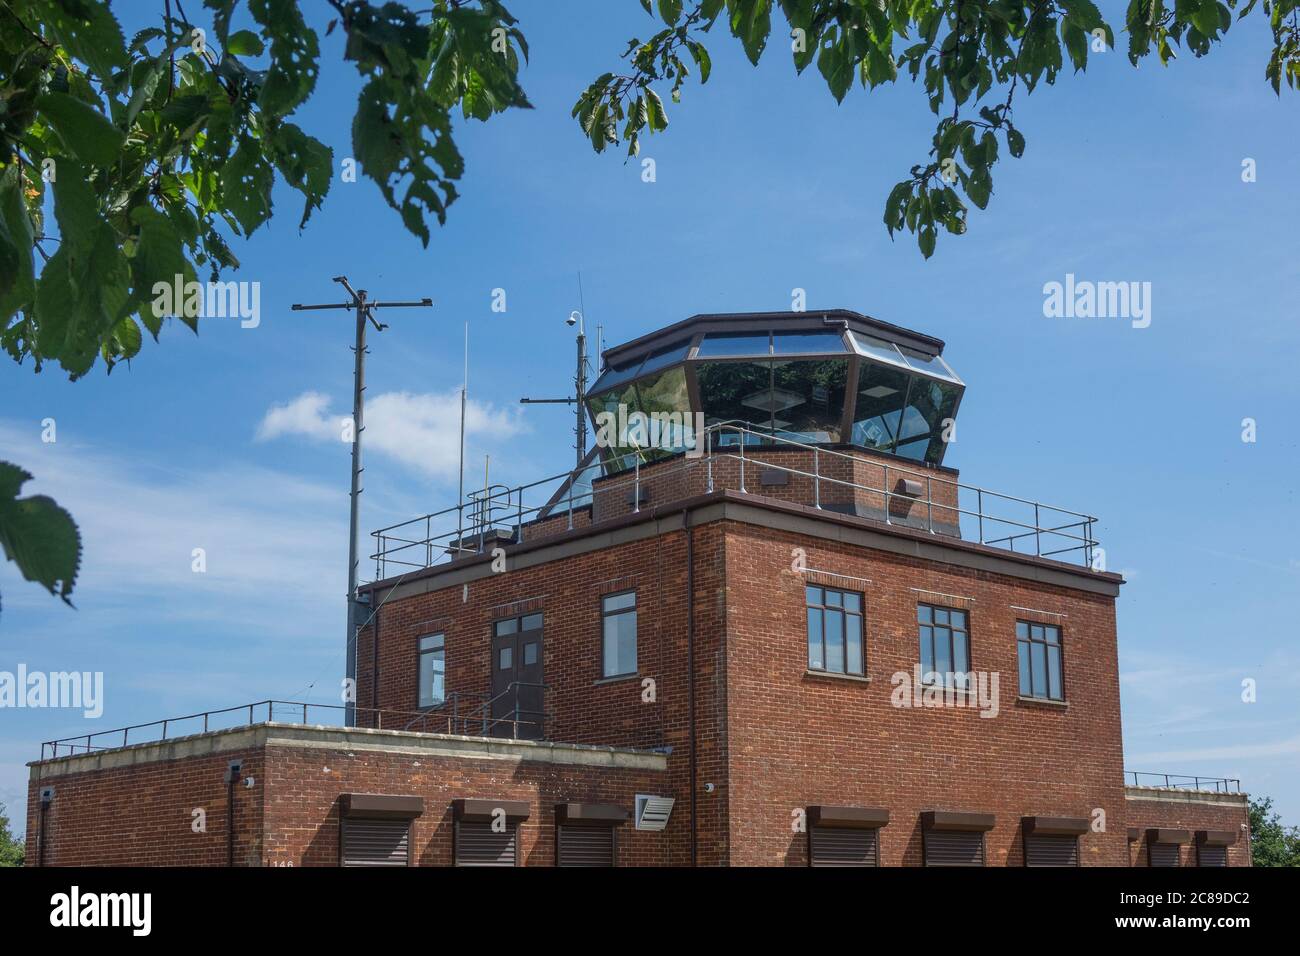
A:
(419, 430)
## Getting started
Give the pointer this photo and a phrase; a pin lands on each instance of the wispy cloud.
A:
(419, 430)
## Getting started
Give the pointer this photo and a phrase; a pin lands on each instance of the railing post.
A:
(164, 736)
(572, 482)
(929, 504)
(521, 515)
(1038, 536)
(979, 509)
(708, 450)
(742, 462)
(250, 713)
(428, 541)
(817, 478)
(636, 490)
(124, 732)
(304, 713)
(885, 490)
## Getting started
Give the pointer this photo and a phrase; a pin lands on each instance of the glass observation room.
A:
(819, 378)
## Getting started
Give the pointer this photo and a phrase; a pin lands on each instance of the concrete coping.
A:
(321, 737)
(1176, 795)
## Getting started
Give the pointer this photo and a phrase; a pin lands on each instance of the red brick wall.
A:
(798, 739)
(142, 815)
(304, 830)
(1186, 811)
(585, 708)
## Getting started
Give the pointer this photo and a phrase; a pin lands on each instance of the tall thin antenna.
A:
(464, 398)
(364, 308)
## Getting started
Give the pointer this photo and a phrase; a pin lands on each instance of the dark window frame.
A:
(822, 608)
(965, 631)
(420, 652)
(636, 643)
(1024, 645)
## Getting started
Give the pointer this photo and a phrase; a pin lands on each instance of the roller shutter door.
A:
(478, 845)
(1211, 856)
(844, 846)
(1051, 850)
(376, 842)
(1162, 854)
(954, 848)
(586, 846)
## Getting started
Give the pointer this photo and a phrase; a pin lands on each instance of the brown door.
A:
(517, 676)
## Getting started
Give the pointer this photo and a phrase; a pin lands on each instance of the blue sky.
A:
(763, 185)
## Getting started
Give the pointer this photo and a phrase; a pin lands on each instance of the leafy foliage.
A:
(157, 152)
(970, 57)
(1271, 843)
(37, 534)
(11, 848)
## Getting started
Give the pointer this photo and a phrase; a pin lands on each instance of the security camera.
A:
(573, 318)
(709, 788)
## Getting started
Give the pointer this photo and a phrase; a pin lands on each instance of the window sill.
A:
(1045, 702)
(616, 679)
(833, 676)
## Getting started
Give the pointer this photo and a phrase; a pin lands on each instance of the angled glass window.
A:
(928, 364)
(616, 375)
(882, 394)
(665, 398)
(808, 399)
(663, 357)
(734, 343)
(803, 343)
(736, 392)
(873, 347)
(609, 438)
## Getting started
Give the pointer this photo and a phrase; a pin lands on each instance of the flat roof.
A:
(759, 321)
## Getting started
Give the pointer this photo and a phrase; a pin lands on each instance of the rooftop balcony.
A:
(842, 479)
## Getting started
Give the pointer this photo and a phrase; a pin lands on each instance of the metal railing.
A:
(1178, 781)
(480, 720)
(430, 720)
(910, 495)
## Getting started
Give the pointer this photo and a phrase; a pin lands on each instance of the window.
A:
(1040, 660)
(618, 634)
(945, 645)
(834, 631)
(432, 670)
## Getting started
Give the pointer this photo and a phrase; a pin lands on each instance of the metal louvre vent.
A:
(478, 845)
(1211, 855)
(1043, 849)
(585, 846)
(376, 842)
(1162, 854)
(954, 848)
(652, 813)
(843, 846)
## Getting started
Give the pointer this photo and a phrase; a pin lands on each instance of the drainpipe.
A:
(47, 795)
(232, 777)
(374, 654)
(690, 666)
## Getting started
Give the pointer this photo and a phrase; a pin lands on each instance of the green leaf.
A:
(295, 55)
(86, 28)
(246, 185)
(245, 43)
(38, 535)
(655, 111)
(159, 258)
(670, 11)
(17, 274)
(85, 131)
(306, 164)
